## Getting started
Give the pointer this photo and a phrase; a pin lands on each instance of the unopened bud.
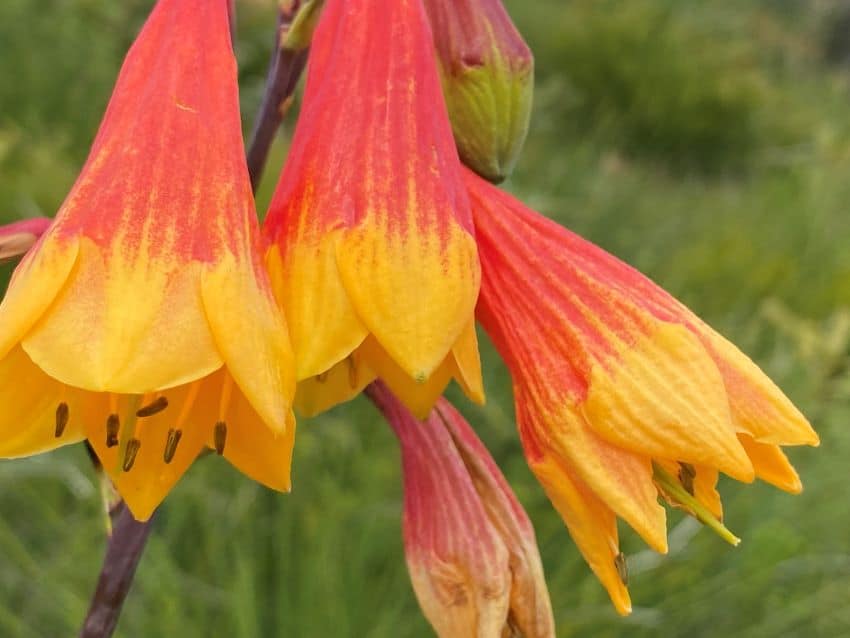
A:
(470, 546)
(488, 82)
(17, 238)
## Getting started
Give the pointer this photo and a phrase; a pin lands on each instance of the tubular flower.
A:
(372, 255)
(487, 71)
(18, 237)
(126, 323)
(622, 394)
(470, 547)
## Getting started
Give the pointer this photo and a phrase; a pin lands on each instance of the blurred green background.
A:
(706, 143)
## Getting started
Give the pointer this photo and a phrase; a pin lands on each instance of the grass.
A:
(735, 202)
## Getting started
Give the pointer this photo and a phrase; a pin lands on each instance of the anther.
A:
(62, 415)
(352, 373)
(220, 437)
(130, 452)
(113, 425)
(622, 567)
(321, 378)
(687, 474)
(153, 408)
(171, 444)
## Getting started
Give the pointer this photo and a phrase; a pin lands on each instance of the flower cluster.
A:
(155, 318)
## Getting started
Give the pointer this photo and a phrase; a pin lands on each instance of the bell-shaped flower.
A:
(487, 72)
(622, 394)
(143, 319)
(372, 255)
(470, 547)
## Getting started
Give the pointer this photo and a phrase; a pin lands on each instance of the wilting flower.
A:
(373, 257)
(142, 320)
(488, 81)
(470, 547)
(18, 237)
(621, 393)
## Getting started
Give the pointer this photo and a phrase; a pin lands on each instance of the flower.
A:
(622, 394)
(487, 72)
(470, 547)
(126, 323)
(18, 237)
(372, 254)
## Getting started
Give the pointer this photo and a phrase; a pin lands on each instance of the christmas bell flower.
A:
(143, 320)
(470, 548)
(372, 254)
(18, 237)
(487, 71)
(622, 394)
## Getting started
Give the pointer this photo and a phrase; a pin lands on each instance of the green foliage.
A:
(628, 95)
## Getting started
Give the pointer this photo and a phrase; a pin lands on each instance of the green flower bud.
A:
(488, 81)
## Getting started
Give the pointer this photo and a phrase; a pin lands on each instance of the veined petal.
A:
(322, 322)
(665, 398)
(256, 351)
(341, 383)
(620, 478)
(29, 400)
(771, 464)
(416, 291)
(592, 524)
(34, 286)
(119, 326)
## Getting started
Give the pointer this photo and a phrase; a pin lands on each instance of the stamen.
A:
(622, 568)
(352, 372)
(171, 444)
(321, 378)
(220, 437)
(673, 489)
(62, 415)
(130, 452)
(687, 474)
(113, 425)
(153, 408)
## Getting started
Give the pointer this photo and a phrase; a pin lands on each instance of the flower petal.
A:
(771, 464)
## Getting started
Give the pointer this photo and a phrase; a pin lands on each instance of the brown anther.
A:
(687, 474)
(220, 437)
(113, 425)
(622, 567)
(153, 408)
(130, 452)
(321, 378)
(171, 444)
(62, 416)
(352, 373)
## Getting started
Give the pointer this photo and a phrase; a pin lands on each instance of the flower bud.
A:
(18, 237)
(470, 547)
(487, 72)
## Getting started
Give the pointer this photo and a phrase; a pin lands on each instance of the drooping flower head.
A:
(470, 547)
(487, 72)
(143, 319)
(373, 257)
(621, 393)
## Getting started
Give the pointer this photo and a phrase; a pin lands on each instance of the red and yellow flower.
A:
(143, 320)
(622, 394)
(470, 547)
(372, 255)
